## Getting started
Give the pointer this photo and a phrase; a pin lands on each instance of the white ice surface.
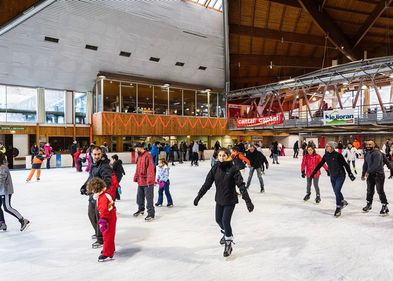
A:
(283, 239)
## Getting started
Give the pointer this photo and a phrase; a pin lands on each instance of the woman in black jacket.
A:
(118, 169)
(225, 176)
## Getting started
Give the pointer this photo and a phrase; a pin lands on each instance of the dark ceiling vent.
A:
(195, 34)
(91, 47)
(179, 63)
(125, 54)
(154, 59)
(202, 67)
(51, 39)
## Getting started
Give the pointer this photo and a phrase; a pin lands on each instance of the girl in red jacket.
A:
(309, 162)
(107, 213)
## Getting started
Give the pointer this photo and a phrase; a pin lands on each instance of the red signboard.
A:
(260, 121)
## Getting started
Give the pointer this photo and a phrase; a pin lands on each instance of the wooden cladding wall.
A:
(128, 124)
(46, 130)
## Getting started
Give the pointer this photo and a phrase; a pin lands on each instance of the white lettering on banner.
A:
(260, 121)
(339, 117)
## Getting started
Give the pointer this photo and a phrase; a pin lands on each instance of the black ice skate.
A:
(103, 258)
(169, 205)
(344, 203)
(94, 237)
(337, 213)
(149, 218)
(97, 245)
(24, 223)
(262, 189)
(228, 248)
(384, 211)
(3, 226)
(318, 199)
(307, 197)
(222, 240)
(367, 208)
(158, 205)
(138, 213)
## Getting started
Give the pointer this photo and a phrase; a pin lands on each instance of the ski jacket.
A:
(6, 186)
(239, 159)
(37, 161)
(310, 162)
(105, 205)
(154, 150)
(144, 173)
(118, 169)
(336, 164)
(48, 151)
(257, 159)
(101, 169)
(225, 176)
(350, 154)
(162, 173)
(374, 161)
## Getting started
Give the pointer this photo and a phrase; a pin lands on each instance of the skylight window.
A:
(211, 4)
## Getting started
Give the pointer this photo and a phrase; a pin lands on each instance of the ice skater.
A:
(257, 161)
(350, 154)
(225, 176)
(118, 169)
(336, 164)
(36, 166)
(375, 175)
(163, 183)
(6, 191)
(107, 213)
(309, 163)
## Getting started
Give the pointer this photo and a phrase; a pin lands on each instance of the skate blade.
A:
(96, 247)
(106, 260)
(27, 226)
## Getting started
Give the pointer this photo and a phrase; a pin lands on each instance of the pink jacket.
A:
(48, 150)
(309, 163)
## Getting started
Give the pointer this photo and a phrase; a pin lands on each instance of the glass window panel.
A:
(3, 105)
(111, 96)
(145, 99)
(189, 102)
(160, 100)
(221, 105)
(21, 104)
(212, 3)
(213, 104)
(99, 96)
(54, 106)
(175, 101)
(202, 106)
(128, 97)
(80, 104)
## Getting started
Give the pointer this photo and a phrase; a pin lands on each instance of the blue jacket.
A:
(154, 150)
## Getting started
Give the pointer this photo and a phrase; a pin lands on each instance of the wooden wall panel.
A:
(45, 130)
(128, 124)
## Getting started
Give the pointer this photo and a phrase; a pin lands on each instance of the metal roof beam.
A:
(323, 20)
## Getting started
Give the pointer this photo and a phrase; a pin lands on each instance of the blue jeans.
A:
(259, 174)
(275, 158)
(167, 194)
(337, 184)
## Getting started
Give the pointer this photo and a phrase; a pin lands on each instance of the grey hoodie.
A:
(6, 186)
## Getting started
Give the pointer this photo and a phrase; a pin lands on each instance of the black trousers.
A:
(223, 218)
(376, 181)
(94, 217)
(295, 153)
(5, 202)
(73, 160)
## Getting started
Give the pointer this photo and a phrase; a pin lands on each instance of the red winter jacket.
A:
(309, 163)
(115, 184)
(144, 173)
(105, 205)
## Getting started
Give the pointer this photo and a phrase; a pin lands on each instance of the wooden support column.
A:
(366, 100)
(338, 94)
(355, 101)
(37, 135)
(391, 92)
(280, 104)
(119, 144)
(379, 97)
(323, 98)
(307, 102)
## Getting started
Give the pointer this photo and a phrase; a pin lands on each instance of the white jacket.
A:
(350, 154)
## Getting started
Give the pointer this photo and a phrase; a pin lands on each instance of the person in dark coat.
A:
(337, 167)
(296, 149)
(100, 168)
(117, 167)
(275, 152)
(257, 161)
(226, 177)
(34, 151)
(73, 149)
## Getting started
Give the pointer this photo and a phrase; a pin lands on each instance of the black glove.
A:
(250, 206)
(351, 176)
(303, 174)
(196, 200)
(83, 190)
(328, 173)
(267, 165)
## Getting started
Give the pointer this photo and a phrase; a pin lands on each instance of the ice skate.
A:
(318, 199)
(344, 203)
(24, 224)
(149, 218)
(384, 211)
(38, 179)
(3, 226)
(367, 208)
(138, 213)
(307, 197)
(97, 245)
(337, 213)
(170, 205)
(94, 237)
(222, 240)
(262, 189)
(228, 248)
(103, 258)
(158, 205)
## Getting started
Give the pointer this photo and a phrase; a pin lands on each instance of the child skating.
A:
(107, 213)
(36, 166)
(225, 176)
(163, 183)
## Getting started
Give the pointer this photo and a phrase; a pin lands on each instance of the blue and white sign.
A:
(339, 117)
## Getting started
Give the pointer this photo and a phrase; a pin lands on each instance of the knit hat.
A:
(332, 144)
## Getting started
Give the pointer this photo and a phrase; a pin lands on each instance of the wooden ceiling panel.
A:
(244, 44)
(261, 13)
(233, 43)
(256, 47)
(247, 12)
(276, 13)
(233, 12)
(253, 70)
(290, 18)
(11, 9)
(269, 47)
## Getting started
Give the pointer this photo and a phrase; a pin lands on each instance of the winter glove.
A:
(351, 176)
(161, 184)
(83, 190)
(303, 174)
(196, 200)
(267, 165)
(328, 173)
(103, 224)
(250, 206)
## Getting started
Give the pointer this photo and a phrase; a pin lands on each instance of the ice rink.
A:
(283, 239)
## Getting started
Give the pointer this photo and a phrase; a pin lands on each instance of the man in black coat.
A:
(73, 150)
(257, 160)
(100, 168)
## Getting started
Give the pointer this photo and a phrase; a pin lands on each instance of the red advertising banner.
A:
(260, 121)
